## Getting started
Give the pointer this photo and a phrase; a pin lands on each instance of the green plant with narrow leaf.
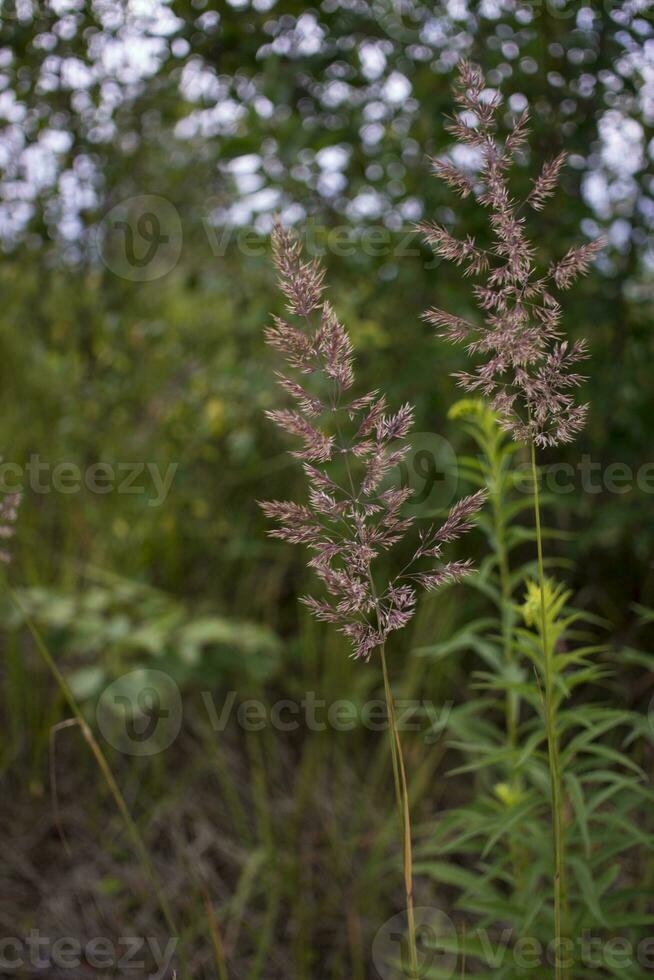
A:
(495, 851)
(501, 574)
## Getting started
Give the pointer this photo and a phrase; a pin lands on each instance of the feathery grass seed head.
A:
(349, 446)
(527, 369)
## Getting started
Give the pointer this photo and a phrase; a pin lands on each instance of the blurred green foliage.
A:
(100, 368)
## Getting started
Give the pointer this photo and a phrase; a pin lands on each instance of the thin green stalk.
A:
(511, 702)
(402, 794)
(105, 769)
(511, 707)
(216, 939)
(552, 739)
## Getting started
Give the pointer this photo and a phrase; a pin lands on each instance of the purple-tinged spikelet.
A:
(527, 369)
(348, 446)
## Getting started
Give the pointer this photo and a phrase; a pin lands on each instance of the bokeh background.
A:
(144, 147)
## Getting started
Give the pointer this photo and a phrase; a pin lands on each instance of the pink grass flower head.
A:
(348, 444)
(528, 368)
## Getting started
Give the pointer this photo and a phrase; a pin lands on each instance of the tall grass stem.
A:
(216, 940)
(552, 738)
(402, 794)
